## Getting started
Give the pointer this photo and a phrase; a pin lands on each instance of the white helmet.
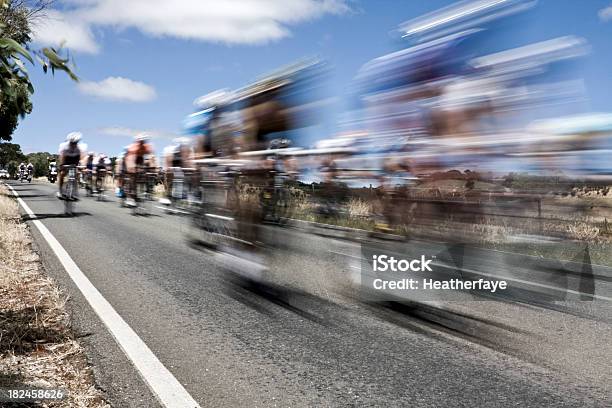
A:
(74, 137)
(142, 136)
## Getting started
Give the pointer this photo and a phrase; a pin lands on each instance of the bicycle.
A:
(213, 218)
(70, 190)
(88, 182)
(99, 184)
(143, 184)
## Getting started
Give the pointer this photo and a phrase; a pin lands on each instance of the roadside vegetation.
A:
(17, 18)
(37, 346)
(11, 155)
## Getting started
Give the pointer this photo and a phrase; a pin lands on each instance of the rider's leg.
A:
(168, 183)
(62, 172)
(98, 182)
(132, 182)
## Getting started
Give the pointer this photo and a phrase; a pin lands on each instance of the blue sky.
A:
(165, 66)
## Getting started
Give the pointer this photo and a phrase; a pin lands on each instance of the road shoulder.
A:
(113, 373)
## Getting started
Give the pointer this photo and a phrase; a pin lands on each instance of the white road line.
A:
(166, 387)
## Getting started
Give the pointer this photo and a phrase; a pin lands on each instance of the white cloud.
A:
(119, 89)
(605, 14)
(234, 22)
(62, 28)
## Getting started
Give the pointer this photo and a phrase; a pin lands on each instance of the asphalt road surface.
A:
(306, 339)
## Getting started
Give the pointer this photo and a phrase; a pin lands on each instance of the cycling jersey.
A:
(138, 151)
(101, 164)
(89, 164)
(71, 156)
(177, 160)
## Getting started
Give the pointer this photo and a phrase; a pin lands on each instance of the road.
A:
(306, 340)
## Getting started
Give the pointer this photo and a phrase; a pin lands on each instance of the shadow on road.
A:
(250, 293)
(19, 190)
(146, 215)
(27, 217)
(434, 321)
(35, 196)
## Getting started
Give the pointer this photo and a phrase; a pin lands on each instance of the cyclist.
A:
(52, 171)
(22, 170)
(89, 161)
(69, 155)
(120, 173)
(89, 167)
(30, 169)
(100, 165)
(139, 155)
(177, 157)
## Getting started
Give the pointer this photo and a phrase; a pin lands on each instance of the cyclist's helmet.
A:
(142, 137)
(74, 137)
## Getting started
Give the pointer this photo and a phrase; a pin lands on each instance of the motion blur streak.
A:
(448, 149)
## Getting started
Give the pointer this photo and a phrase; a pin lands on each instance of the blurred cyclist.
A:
(22, 169)
(177, 157)
(120, 173)
(100, 165)
(69, 155)
(139, 155)
(30, 170)
(89, 170)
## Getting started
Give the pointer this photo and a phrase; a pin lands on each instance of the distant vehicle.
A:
(4, 174)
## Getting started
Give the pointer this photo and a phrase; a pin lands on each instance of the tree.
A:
(12, 167)
(10, 157)
(17, 16)
(10, 152)
(15, 85)
(40, 161)
(12, 107)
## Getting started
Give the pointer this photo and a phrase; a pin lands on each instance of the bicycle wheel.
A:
(68, 199)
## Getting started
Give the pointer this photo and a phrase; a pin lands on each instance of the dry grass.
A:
(359, 208)
(37, 347)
